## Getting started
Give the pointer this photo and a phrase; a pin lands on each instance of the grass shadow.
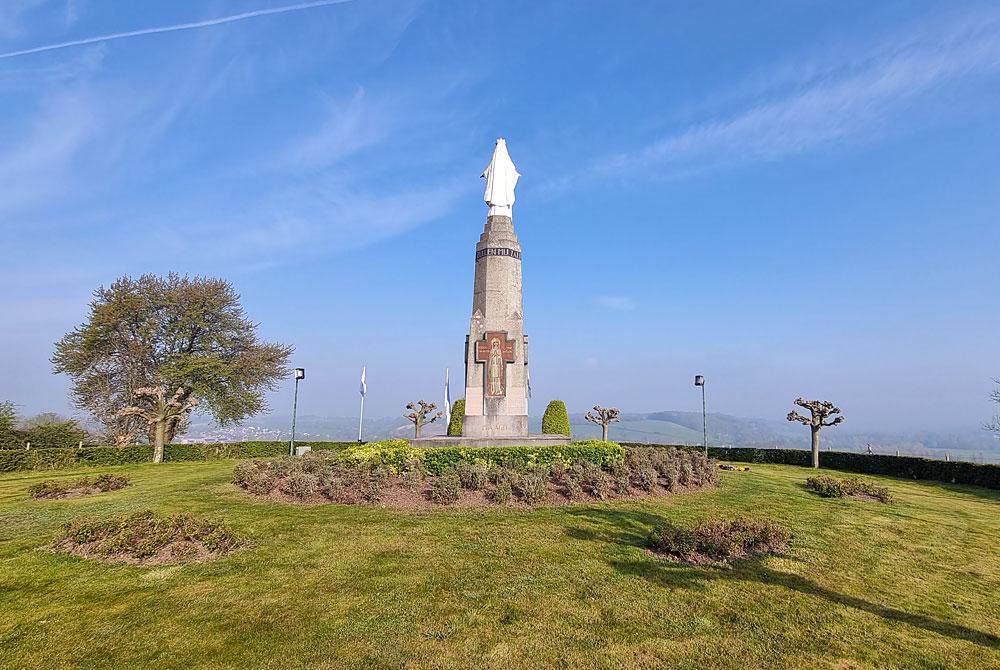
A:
(632, 528)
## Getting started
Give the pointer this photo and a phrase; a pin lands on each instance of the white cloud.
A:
(347, 128)
(37, 167)
(12, 13)
(618, 302)
(819, 107)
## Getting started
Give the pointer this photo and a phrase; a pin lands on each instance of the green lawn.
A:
(914, 584)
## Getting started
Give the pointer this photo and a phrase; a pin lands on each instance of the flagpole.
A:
(361, 420)
(447, 397)
(364, 390)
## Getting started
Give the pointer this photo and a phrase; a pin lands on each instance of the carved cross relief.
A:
(494, 351)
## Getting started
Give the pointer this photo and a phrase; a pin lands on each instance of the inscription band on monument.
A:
(498, 251)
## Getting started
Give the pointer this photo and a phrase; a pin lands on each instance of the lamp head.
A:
(699, 380)
(300, 373)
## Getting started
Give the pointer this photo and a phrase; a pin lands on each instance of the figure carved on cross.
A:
(495, 351)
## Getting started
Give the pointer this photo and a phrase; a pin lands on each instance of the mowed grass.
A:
(914, 584)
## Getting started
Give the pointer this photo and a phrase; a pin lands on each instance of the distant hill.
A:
(664, 427)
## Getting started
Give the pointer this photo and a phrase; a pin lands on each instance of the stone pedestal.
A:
(496, 349)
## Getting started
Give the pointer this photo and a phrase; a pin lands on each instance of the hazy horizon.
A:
(791, 200)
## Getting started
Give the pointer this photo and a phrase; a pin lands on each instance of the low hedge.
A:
(909, 467)
(53, 459)
(394, 454)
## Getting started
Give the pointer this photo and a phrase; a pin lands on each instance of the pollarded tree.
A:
(168, 343)
(604, 416)
(419, 415)
(821, 412)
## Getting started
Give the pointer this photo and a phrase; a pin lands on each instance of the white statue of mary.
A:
(501, 177)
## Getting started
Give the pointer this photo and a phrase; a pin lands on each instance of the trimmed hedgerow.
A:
(555, 421)
(907, 467)
(54, 459)
(394, 454)
(457, 418)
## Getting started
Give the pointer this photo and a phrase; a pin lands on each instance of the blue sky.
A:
(792, 198)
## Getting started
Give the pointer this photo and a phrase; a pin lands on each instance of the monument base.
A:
(529, 441)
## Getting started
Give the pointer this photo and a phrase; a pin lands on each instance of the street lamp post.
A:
(300, 373)
(699, 380)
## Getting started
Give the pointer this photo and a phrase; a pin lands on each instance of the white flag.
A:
(364, 386)
(447, 397)
(528, 373)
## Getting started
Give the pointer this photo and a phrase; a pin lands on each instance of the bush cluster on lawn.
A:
(720, 540)
(315, 473)
(143, 535)
(102, 483)
(366, 473)
(830, 487)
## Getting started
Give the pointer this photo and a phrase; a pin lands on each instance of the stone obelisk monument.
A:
(496, 350)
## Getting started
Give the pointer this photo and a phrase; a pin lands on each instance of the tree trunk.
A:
(416, 430)
(159, 440)
(604, 432)
(815, 445)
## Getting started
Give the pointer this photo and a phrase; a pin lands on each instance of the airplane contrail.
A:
(180, 26)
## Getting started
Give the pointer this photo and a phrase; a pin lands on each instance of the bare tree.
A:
(603, 416)
(419, 415)
(163, 415)
(995, 397)
(821, 411)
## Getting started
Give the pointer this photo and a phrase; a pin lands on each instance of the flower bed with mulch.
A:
(319, 478)
(144, 538)
(852, 487)
(85, 486)
(719, 541)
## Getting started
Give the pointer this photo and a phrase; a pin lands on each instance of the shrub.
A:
(532, 485)
(721, 540)
(413, 474)
(645, 477)
(392, 455)
(109, 482)
(373, 485)
(141, 535)
(620, 478)
(474, 476)
(686, 474)
(502, 492)
(48, 489)
(555, 421)
(260, 482)
(446, 487)
(604, 486)
(457, 418)
(573, 484)
(438, 459)
(299, 484)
